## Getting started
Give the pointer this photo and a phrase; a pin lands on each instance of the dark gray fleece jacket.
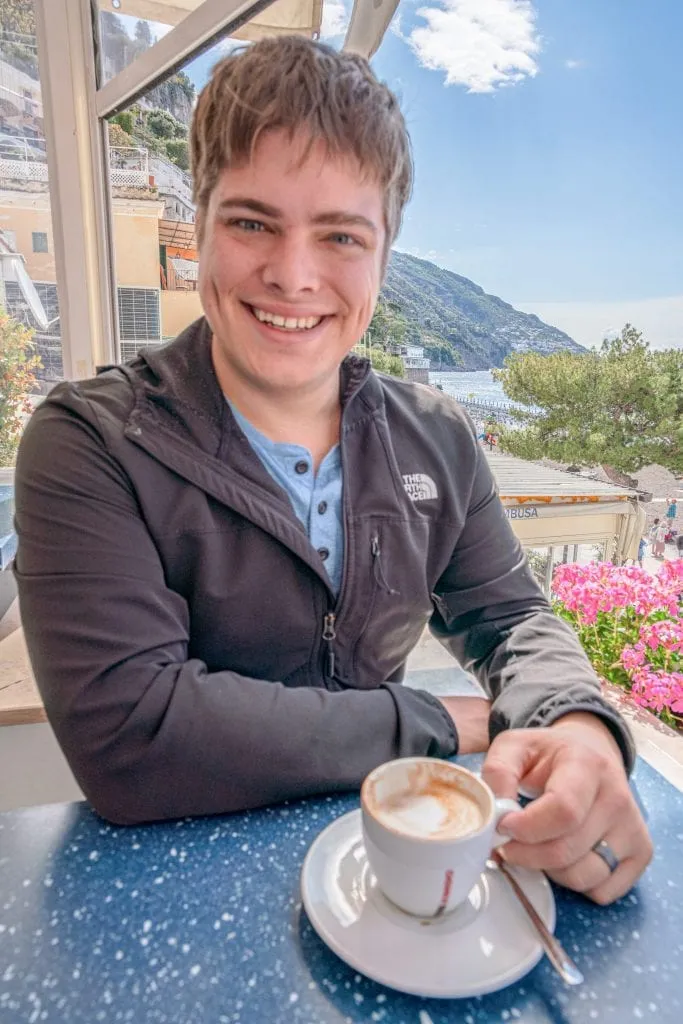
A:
(181, 627)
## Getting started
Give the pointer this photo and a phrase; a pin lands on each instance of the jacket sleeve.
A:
(493, 617)
(148, 732)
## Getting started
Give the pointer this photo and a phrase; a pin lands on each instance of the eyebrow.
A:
(337, 217)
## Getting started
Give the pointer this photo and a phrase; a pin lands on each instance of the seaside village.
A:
(164, 619)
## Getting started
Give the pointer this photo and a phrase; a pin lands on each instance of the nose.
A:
(291, 267)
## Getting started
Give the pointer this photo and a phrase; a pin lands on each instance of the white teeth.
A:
(287, 323)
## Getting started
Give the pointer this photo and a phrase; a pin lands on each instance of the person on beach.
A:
(229, 547)
(642, 546)
(658, 532)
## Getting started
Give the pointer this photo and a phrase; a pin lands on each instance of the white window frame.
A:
(75, 112)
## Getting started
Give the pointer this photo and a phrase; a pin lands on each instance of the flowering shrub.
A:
(631, 626)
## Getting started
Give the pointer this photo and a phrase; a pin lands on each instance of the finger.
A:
(631, 844)
(621, 881)
(511, 756)
(570, 793)
(557, 855)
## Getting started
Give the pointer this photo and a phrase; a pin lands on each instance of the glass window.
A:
(30, 337)
(128, 28)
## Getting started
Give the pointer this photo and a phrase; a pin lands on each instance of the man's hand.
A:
(471, 718)
(577, 767)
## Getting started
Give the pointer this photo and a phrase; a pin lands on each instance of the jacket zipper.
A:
(329, 633)
(331, 617)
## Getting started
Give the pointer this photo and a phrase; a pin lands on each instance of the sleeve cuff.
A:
(552, 712)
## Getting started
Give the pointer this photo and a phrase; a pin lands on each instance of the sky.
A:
(548, 152)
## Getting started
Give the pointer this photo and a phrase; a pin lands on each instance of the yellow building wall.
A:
(178, 310)
(40, 266)
(136, 237)
(136, 249)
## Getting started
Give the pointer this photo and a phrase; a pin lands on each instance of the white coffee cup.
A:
(429, 827)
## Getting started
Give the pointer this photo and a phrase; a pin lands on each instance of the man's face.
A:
(290, 266)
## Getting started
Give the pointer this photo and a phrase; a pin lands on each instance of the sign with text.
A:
(522, 512)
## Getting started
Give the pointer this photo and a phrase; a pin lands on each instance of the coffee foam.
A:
(434, 809)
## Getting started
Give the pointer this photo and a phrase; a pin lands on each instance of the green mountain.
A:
(458, 323)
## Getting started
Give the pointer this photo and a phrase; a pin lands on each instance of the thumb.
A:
(509, 758)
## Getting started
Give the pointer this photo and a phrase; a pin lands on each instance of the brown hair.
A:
(293, 83)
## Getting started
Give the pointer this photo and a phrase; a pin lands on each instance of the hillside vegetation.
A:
(459, 324)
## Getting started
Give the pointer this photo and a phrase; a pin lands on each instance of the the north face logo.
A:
(419, 487)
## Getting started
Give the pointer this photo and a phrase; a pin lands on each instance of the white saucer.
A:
(481, 947)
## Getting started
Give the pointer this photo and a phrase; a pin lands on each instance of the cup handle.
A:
(503, 806)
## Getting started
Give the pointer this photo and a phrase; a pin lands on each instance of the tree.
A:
(17, 16)
(385, 363)
(125, 120)
(163, 125)
(118, 138)
(620, 407)
(388, 325)
(17, 362)
(178, 152)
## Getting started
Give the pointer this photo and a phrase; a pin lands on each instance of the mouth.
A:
(286, 324)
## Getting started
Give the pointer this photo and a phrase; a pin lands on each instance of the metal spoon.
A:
(561, 961)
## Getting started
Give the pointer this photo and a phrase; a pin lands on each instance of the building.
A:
(562, 517)
(414, 362)
(154, 246)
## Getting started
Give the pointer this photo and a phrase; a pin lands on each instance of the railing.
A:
(26, 160)
(171, 180)
(129, 165)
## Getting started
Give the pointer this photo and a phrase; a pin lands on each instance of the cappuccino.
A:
(428, 828)
(437, 809)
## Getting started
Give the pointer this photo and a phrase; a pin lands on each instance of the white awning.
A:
(282, 16)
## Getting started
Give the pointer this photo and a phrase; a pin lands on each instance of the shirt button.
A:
(301, 467)
(322, 508)
(324, 553)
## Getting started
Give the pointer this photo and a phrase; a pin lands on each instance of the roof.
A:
(177, 232)
(520, 482)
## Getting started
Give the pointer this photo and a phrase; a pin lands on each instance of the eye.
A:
(250, 226)
(340, 238)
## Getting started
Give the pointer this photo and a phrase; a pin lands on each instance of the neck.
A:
(311, 418)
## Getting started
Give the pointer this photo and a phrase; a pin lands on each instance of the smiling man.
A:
(228, 547)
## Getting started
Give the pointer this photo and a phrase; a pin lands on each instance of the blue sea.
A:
(478, 384)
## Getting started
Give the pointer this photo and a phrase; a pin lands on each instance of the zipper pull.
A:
(329, 634)
(380, 578)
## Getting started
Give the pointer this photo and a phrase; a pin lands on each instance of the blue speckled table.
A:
(201, 921)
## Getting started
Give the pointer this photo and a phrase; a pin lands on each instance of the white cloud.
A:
(335, 20)
(660, 320)
(481, 44)
(573, 64)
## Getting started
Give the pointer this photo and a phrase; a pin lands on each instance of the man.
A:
(228, 548)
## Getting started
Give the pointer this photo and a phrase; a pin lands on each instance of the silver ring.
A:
(605, 851)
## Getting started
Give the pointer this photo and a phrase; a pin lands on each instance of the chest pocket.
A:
(394, 593)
